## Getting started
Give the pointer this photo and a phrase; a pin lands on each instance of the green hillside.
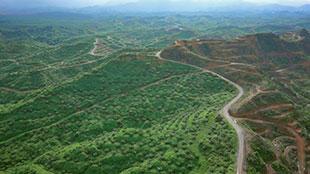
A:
(87, 94)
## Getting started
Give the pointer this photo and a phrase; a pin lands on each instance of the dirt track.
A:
(93, 51)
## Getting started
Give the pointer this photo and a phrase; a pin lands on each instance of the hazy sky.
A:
(83, 3)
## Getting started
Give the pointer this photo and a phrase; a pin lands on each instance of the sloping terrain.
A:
(132, 115)
(69, 105)
(120, 110)
(274, 71)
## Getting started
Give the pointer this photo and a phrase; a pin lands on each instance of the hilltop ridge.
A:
(272, 69)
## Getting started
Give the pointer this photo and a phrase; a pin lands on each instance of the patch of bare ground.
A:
(265, 76)
(268, 107)
(270, 169)
(286, 152)
(99, 48)
(94, 50)
(251, 94)
(292, 130)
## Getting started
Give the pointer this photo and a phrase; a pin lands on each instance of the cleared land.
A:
(69, 105)
(271, 108)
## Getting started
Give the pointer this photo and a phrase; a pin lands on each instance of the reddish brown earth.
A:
(267, 66)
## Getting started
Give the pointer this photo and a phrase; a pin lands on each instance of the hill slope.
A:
(274, 70)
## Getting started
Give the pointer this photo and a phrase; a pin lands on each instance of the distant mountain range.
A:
(160, 6)
(185, 6)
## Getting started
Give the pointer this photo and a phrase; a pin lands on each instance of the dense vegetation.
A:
(159, 109)
(63, 110)
(274, 110)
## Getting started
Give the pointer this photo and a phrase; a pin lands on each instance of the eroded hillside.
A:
(274, 71)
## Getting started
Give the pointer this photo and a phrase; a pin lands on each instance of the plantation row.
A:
(123, 117)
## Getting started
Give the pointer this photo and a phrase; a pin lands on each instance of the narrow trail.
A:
(14, 90)
(94, 105)
(225, 113)
(300, 143)
(93, 51)
(219, 61)
(166, 79)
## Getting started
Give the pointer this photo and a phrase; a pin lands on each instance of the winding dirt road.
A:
(225, 113)
(93, 51)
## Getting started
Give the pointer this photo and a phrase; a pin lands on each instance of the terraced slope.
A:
(274, 71)
(121, 110)
(128, 113)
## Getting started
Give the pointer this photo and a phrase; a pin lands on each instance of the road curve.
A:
(93, 51)
(225, 113)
